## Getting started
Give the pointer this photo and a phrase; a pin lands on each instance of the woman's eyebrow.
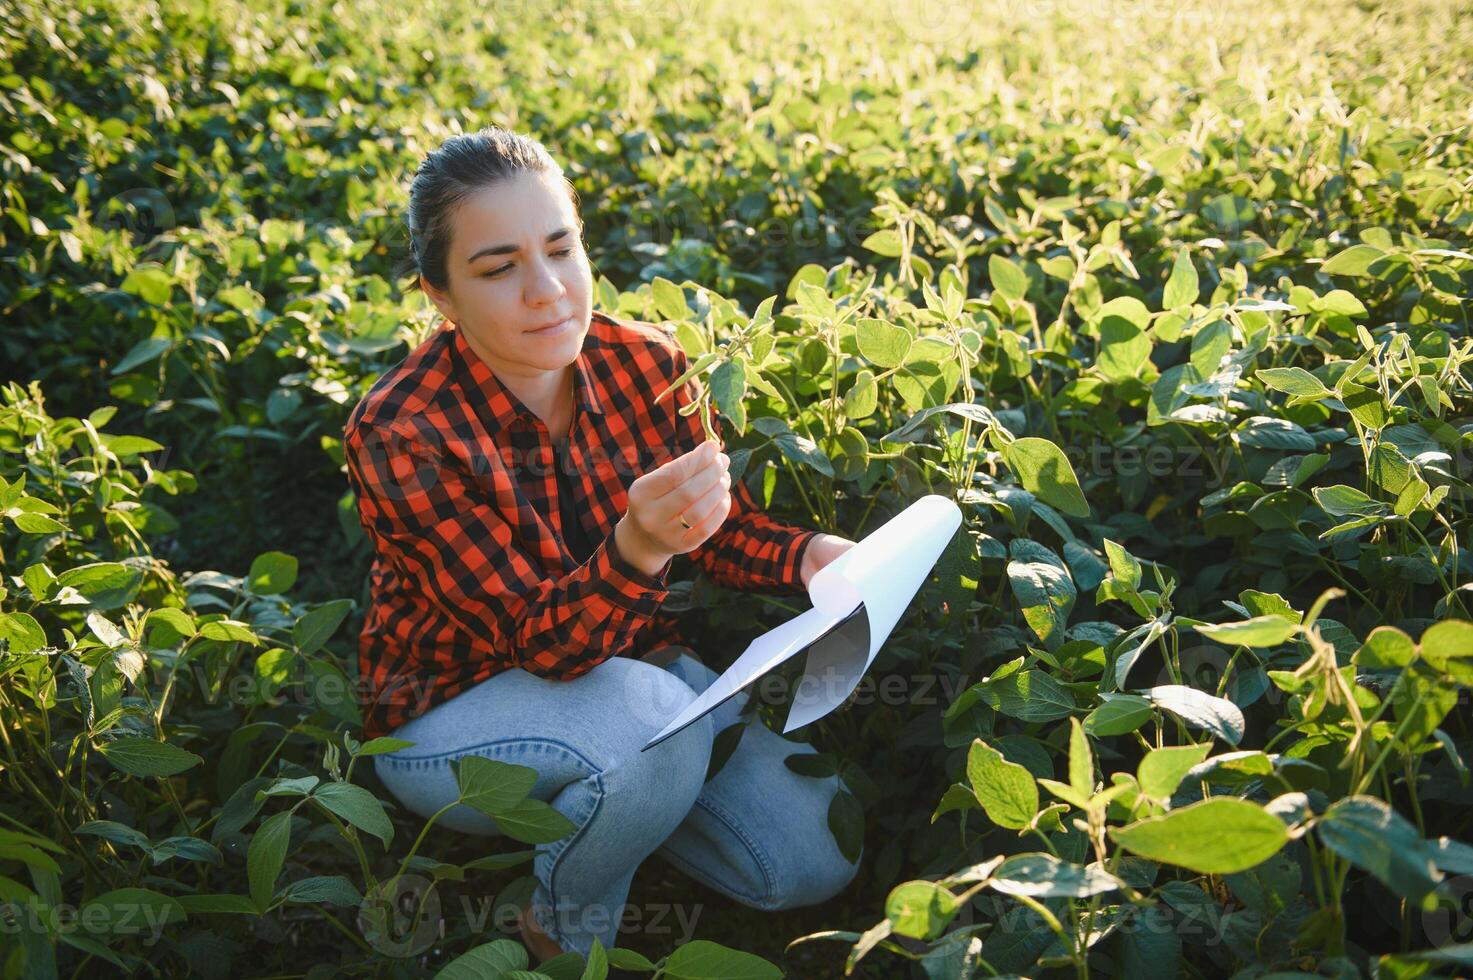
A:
(508, 249)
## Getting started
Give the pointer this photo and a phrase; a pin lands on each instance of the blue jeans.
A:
(757, 832)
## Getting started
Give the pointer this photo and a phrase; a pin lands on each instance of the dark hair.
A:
(461, 165)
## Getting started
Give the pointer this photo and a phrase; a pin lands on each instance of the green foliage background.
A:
(1170, 297)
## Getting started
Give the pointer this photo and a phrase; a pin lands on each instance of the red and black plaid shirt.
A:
(456, 487)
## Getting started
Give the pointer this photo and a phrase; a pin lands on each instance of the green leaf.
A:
(1448, 645)
(265, 855)
(1260, 631)
(814, 299)
(669, 299)
(1353, 261)
(35, 859)
(1390, 470)
(273, 671)
(384, 744)
(118, 833)
(1120, 715)
(167, 626)
(1124, 566)
(106, 631)
(1005, 789)
(141, 353)
(1161, 771)
(1039, 875)
(21, 632)
(1340, 301)
(886, 242)
(486, 962)
(491, 786)
(124, 447)
(1294, 381)
(1065, 792)
(149, 283)
(1043, 588)
(628, 959)
(1081, 760)
(229, 630)
(1217, 836)
(130, 911)
(1201, 710)
(31, 523)
(1375, 838)
(358, 807)
(272, 573)
(956, 797)
(1229, 212)
(318, 626)
(1181, 288)
(187, 848)
(1029, 695)
(1264, 432)
(1124, 349)
(1043, 469)
(105, 585)
(920, 909)
(882, 344)
(597, 967)
(142, 756)
(728, 387)
(1343, 501)
(1209, 344)
(701, 959)
(498, 862)
(533, 822)
(863, 397)
(1386, 648)
(1007, 277)
(323, 890)
(1365, 405)
(846, 823)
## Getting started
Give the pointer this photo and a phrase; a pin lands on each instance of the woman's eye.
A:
(560, 253)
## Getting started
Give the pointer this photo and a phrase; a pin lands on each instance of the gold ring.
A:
(684, 523)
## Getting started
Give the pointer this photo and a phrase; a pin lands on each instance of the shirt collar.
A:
(501, 406)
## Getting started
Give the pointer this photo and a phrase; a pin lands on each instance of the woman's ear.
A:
(440, 298)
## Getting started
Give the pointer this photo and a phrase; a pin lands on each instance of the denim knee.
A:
(621, 704)
(810, 876)
(651, 696)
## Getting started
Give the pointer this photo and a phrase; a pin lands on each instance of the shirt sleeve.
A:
(750, 551)
(437, 530)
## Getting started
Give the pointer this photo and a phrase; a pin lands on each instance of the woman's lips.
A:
(556, 328)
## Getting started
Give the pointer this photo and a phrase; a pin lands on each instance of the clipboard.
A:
(857, 600)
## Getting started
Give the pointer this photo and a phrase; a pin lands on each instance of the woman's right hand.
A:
(696, 485)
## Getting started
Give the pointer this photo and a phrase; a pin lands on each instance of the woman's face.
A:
(515, 264)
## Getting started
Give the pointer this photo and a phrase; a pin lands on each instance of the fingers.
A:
(704, 511)
(713, 510)
(713, 506)
(696, 486)
(689, 497)
(672, 475)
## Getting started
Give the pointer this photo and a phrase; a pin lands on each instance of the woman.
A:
(526, 495)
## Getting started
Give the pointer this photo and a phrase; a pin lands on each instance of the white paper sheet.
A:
(857, 600)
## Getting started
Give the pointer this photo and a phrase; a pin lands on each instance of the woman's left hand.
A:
(820, 551)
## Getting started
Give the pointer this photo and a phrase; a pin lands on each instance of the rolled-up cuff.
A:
(625, 585)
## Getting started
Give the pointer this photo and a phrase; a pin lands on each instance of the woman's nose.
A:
(544, 285)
